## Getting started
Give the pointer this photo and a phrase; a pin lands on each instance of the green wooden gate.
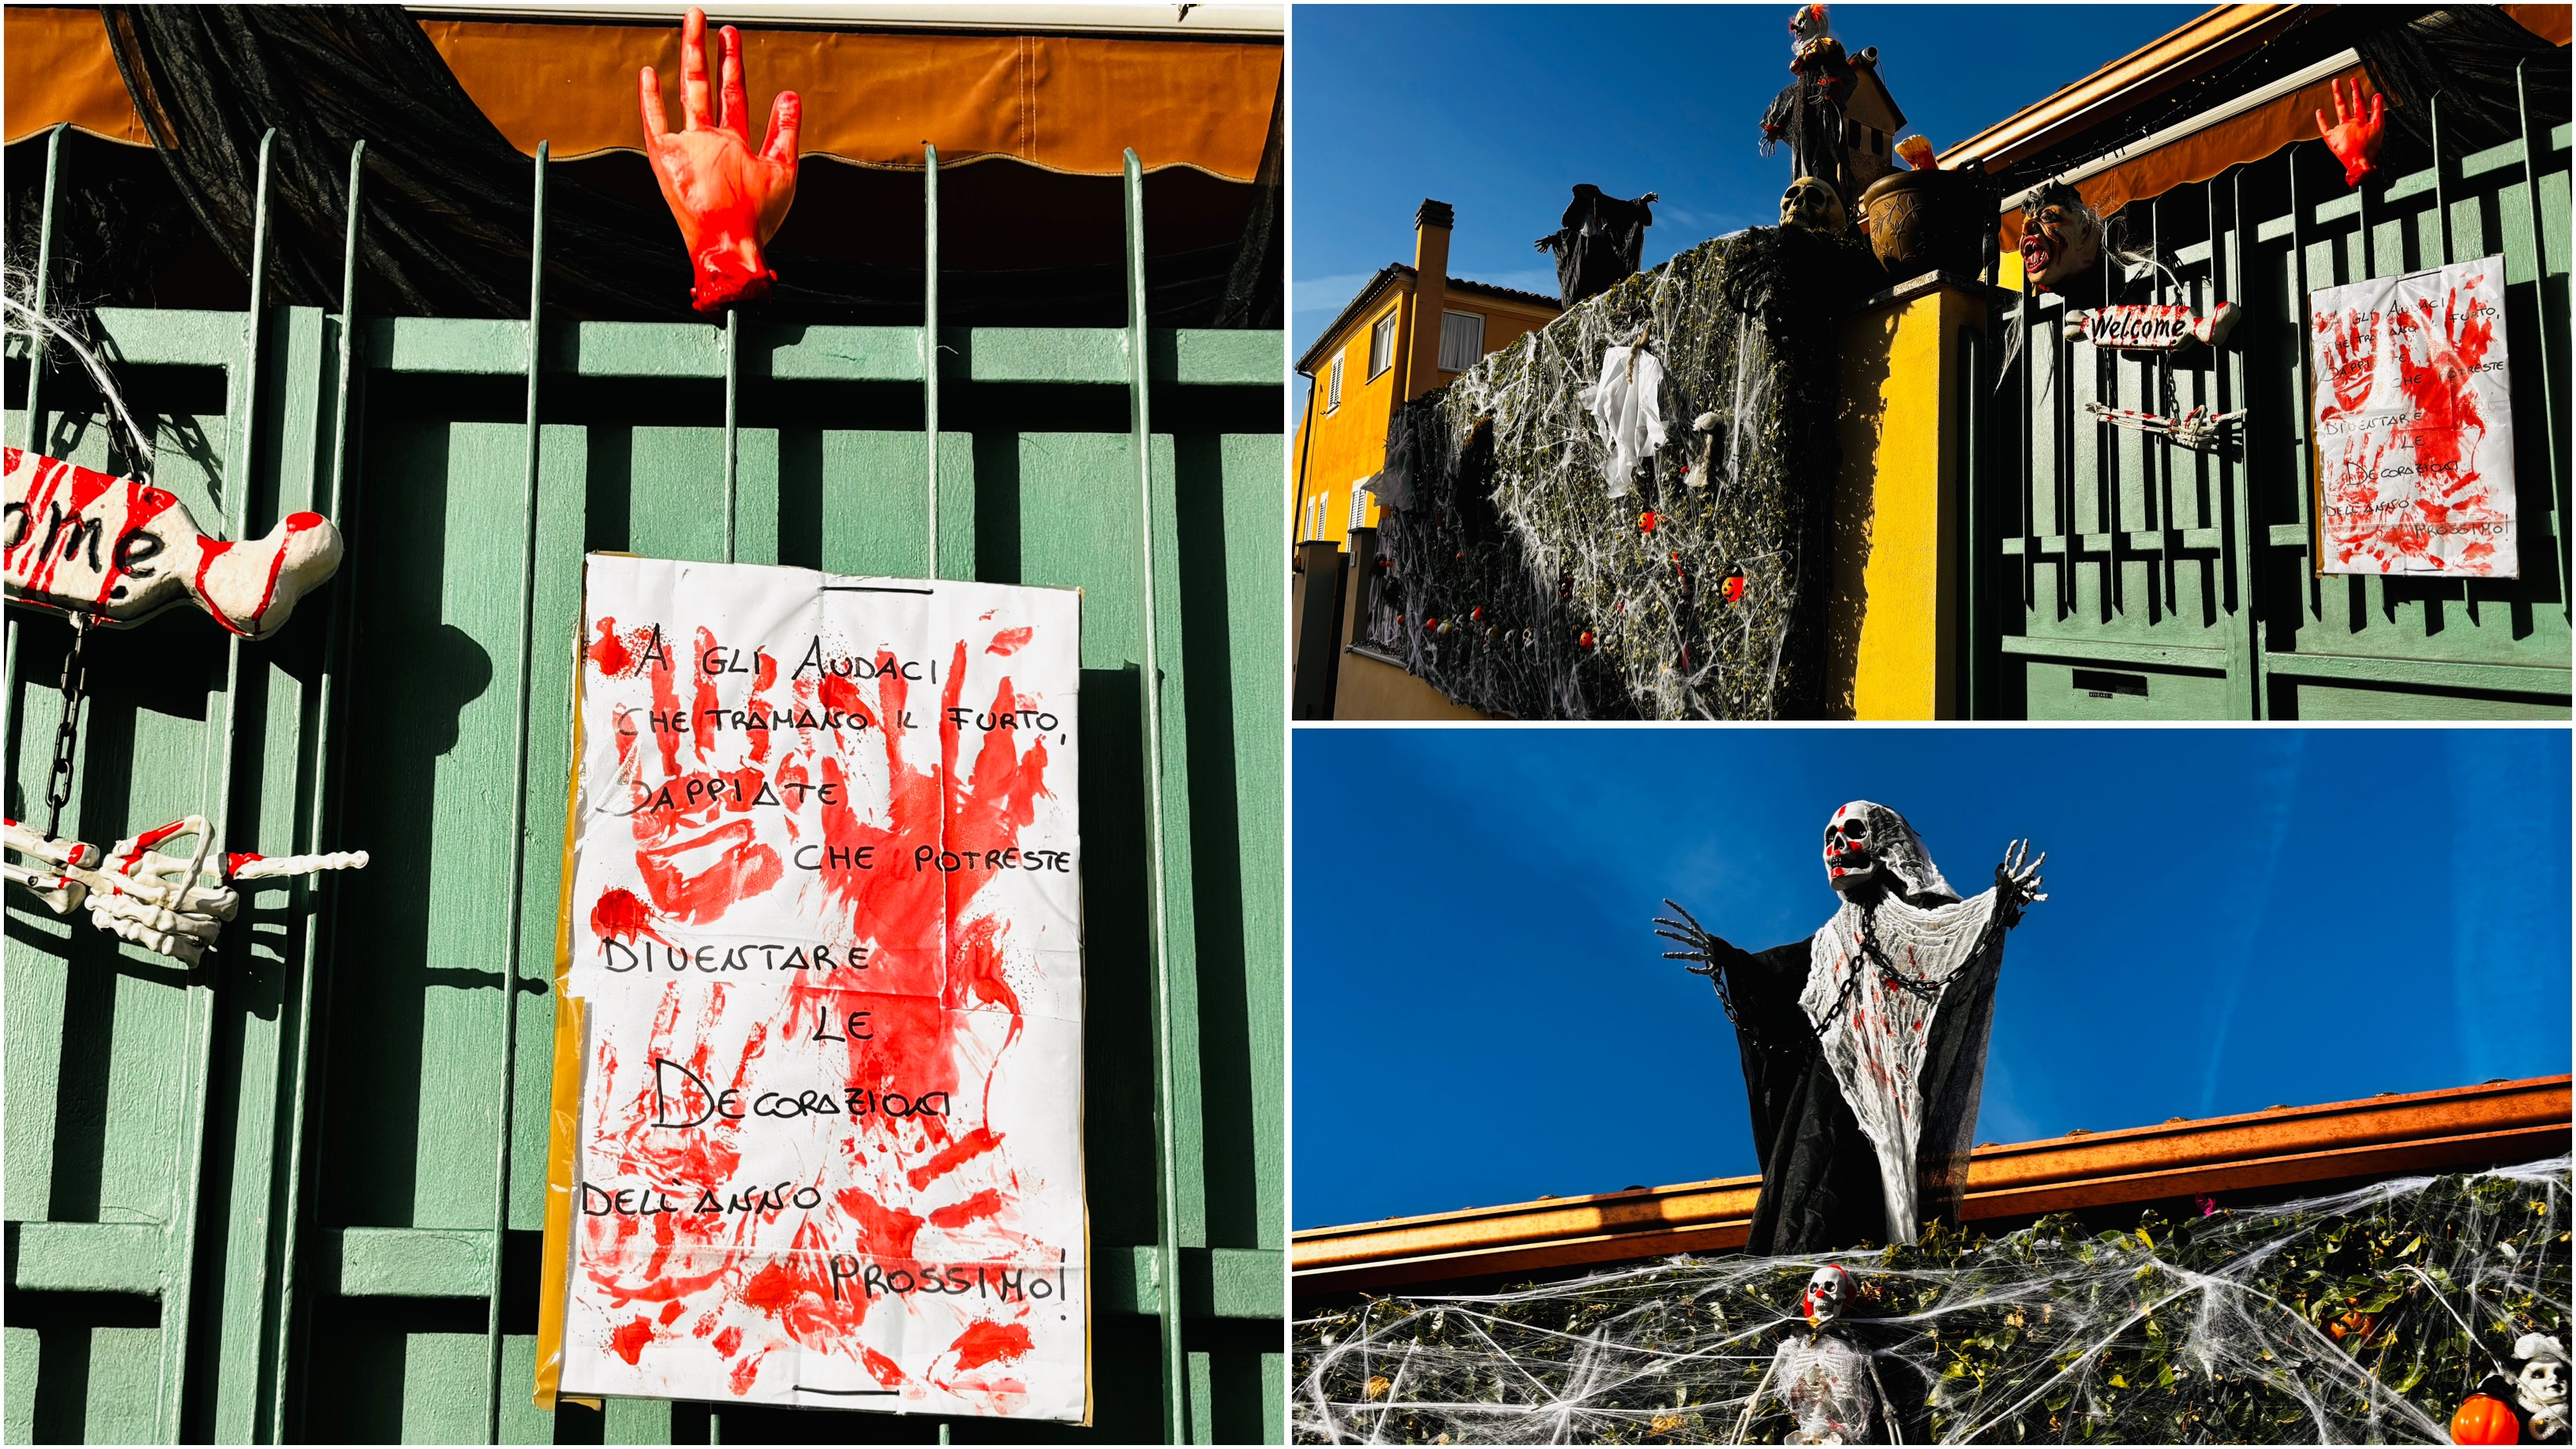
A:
(296, 1193)
(2118, 577)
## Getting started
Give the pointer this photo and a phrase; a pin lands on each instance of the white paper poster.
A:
(2414, 424)
(826, 923)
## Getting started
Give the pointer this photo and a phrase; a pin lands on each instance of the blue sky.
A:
(2237, 918)
(1500, 110)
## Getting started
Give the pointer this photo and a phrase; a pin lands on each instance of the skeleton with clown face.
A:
(1864, 1046)
(1827, 1384)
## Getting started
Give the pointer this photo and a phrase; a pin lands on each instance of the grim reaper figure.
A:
(1864, 1046)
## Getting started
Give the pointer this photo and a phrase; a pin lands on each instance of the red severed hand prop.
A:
(2355, 136)
(728, 199)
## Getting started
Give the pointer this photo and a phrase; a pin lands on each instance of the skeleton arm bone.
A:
(1886, 1405)
(1744, 1425)
(2017, 879)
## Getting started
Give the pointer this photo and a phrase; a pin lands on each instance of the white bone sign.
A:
(173, 904)
(121, 550)
(2157, 327)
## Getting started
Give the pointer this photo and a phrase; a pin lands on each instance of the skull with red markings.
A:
(1851, 837)
(1828, 1294)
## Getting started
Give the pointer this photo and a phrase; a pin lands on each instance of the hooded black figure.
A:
(1864, 1046)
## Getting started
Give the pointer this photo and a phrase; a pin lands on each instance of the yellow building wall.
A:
(1893, 622)
(1349, 443)
(1346, 445)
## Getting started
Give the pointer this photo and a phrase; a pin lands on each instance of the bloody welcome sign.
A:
(822, 969)
(2151, 327)
(2414, 424)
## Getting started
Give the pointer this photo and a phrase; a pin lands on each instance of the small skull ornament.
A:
(2541, 1385)
(1810, 204)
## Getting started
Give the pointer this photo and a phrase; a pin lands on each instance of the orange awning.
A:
(1066, 103)
(2258, 133)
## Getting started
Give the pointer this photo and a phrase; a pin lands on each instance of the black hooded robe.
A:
(1820, 1180)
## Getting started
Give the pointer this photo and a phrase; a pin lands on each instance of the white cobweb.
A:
(2362, 1317)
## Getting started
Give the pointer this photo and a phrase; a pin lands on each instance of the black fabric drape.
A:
(448, 197)
(2467, 57)
(1256, 289)
(1820, 1188)
(449, 206)
(1598, 243)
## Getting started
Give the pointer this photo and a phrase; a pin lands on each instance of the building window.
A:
(1333, 392)
(1462, 340)
(1359, 508)
(1382, 345)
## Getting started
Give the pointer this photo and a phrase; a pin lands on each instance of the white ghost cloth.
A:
(1824, 1383)
(1628, 405)
(1876, 1043)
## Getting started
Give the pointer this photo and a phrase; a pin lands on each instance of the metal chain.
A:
(1920, 988)
(58, 789)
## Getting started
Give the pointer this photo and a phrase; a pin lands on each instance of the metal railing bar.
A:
(2549, 410)
(2302, 427)
(514, 914)
(216, 777)
(314, 889)
(42, 290)
(732, 438)
(930, 349)
(1176, 1401)
(2236, 480)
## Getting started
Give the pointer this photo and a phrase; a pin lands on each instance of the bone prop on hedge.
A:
(2159, 327)
(121, 550)
(2198, 427)
(166, 903)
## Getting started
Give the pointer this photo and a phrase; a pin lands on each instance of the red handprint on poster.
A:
(2414, 424)
(825, 930)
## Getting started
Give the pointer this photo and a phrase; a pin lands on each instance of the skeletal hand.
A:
(172, 904)
(1698, 945)
(728, 199)
(2355, 136)
(2017, 878)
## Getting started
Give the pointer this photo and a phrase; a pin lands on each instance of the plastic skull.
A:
(1828, 1292)
(1810, 204)
(1851, 839)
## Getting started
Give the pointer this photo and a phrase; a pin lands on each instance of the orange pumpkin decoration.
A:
(2485, 1420)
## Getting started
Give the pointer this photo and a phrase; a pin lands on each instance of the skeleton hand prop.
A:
(83, 542)
(1697, 944)
(2199, 428)
(728, 200)
(164, 903)
(2355, 136)
(2017, 878)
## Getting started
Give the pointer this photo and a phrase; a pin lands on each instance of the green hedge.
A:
(2364, 1317)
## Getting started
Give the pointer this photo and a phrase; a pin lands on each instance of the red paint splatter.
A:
(729, 1342)
(745, 1373)
(671, 1312)
(1009, 641)
(619, 916)
(629, 1341)
(884, 1232)
(982, 1205)
(985, 1341)
(610, 652)
(884, 1368)
(973, 1144)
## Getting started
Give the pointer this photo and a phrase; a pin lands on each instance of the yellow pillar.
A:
(1893, 624)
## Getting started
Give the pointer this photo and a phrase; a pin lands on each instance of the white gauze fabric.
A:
(1627, 403)
(1876, 1044)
